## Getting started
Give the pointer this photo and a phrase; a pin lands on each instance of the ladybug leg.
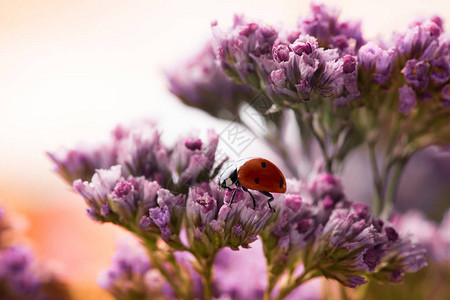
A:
(268, 200)
(232, 196)
(251, 195)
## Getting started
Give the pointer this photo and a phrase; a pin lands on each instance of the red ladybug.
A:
(255, 174)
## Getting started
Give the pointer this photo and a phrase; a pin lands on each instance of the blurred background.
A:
(70, 70)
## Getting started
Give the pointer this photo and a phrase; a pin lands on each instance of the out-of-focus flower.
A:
(82, 162)
(139, 151)
(405, 256)
(429, 234)
(325, 185)
(201, 83)
(415, 73)
(21, 276)
(440, 70)
(377, 62)
(237, 47)
(445, 95)
(131, 276)
(231, 266)
(323, 23)
(419, 41)
(406, 98)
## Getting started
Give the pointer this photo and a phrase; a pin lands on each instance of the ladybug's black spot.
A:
(263, 164)
(257, 180)
(281, 182)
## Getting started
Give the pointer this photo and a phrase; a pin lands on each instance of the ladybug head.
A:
(228, 177)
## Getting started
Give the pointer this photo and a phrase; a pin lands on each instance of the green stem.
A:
(206, 274)
(292, 284)
(168, 276)
(343, 291)
(155, 262)
(392, 189)
(309, 119)
(279, 147)
(377, 180)
(272, 281)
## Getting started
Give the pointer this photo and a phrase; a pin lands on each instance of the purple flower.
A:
(82, 163)
(361, 245)
(285, 235)
(405, 256)
(299, 47)
(377, 62)
(293, 35)
(160, 216)
(280, 52)
(132, 202)
(433, 237)
(143, 154)
(384, 64)
(420, 41)
(22, 277)
(349, 64)
(278, 78)
(350, 69)
(239, 48)
(231, 266)
(193, 144)
(214, 223)
(293, 202)
(323, 23)
(445, 94)
(340, 42)
(406, 99)
(137, 148)
(194, 164)
(320, 22)
(415, 73)
(201, 83)
(440, 70)
(323, 185)
(131, 274)
(140, 152)
(367, 56)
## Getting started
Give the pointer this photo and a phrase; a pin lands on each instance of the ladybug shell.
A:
(261, 175)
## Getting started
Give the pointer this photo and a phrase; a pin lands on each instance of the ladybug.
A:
(254, 174)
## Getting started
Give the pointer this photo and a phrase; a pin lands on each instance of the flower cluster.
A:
(424, 54)
(335, 238)
(148, 186)
(21, 276)
(314, 222)
(298, 69)
(345, 91)
(163, 193)
(201, 83)
(323, 23)
(139, 151)
(328, 58)
(216, 224)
